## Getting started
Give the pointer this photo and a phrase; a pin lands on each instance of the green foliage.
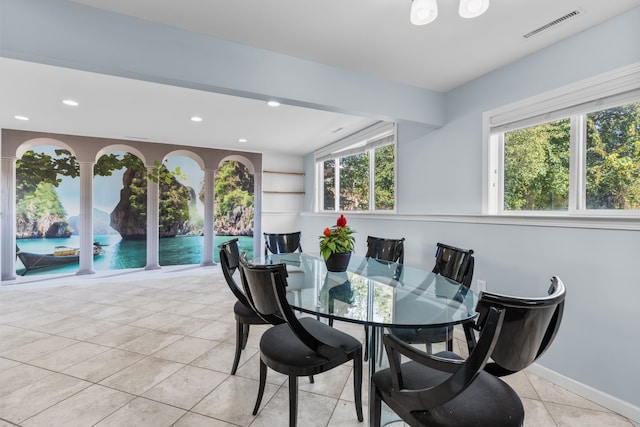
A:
(36, 180)
(355, 174)
(174, 203)
(34, 168)
(354, 182)
(536, 170)
(329, 170)
(384, 177)
(233, 188)
(174, 198)
(537, 162)
(613, 158)
(41, 202)
(38, 173)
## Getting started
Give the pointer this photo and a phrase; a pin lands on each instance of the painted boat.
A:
(61, 255)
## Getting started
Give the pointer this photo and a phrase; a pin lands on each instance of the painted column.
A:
(153, 221)
(209, 236)
(86, 218)
(8, 218)
(257, 206)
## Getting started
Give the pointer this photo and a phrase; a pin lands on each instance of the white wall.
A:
(280, 211)
(441, 173)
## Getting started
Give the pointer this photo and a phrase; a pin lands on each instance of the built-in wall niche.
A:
(283, 191)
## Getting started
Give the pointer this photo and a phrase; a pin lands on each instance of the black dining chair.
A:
(445, 390)
(384, 250)
(456, 264)
(301, 346)
(282, 243)
(244, 314)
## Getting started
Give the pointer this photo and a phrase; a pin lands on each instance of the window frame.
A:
(616, 88)
(367, 140)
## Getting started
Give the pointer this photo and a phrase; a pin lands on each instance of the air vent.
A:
(553, 23)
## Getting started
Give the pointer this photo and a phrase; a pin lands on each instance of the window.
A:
(574, 151)
(358, 172)
(613, 158)
(536, 167)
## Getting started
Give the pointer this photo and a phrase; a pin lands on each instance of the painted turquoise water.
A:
(121, 254)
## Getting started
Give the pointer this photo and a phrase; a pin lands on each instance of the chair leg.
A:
(245, 335)
(357, 383)
(380, 346)
(375, 411)
(293, 400)
(239, 347)
(263, 382)
(366, 343)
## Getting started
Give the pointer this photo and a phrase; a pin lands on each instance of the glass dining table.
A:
(377, 294)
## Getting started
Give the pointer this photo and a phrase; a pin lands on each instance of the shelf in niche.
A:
(284, 172)
(283, 192)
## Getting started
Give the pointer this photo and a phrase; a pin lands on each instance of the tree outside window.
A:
(354, 182)
(364, 181)
(613, 158)
(329, 184)
(536, 174)
(536, 167)
(384, 177)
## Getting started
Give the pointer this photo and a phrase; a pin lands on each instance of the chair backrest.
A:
(230, 262)
(282, 243)
(265, 287)
(385, 249)
(454, 263)
(458, 374)
(530, 326)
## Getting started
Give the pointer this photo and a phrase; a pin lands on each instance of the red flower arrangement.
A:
(337, 239)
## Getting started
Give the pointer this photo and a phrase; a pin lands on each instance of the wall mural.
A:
(47, 210)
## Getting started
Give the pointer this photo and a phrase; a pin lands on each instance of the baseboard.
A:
(612, 403)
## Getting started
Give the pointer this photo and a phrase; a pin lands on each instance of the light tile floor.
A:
(155, 349)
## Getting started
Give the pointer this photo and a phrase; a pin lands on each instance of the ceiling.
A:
(119, 108)
(367, 36)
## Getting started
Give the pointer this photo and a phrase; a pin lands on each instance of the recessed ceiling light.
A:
(24, 118)
(242, 140)
(273, 104)
(195, 119)
(70, 102)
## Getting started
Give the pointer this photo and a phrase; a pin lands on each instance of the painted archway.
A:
(88, 152)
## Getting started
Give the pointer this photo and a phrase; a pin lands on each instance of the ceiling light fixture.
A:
(23, 118)
(426, 11)
(70, 102)
(273, 103)
(473, 8)
(423, 11)
(195, 119)
(242, 140)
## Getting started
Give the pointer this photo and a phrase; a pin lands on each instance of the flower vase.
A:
(338, 261)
